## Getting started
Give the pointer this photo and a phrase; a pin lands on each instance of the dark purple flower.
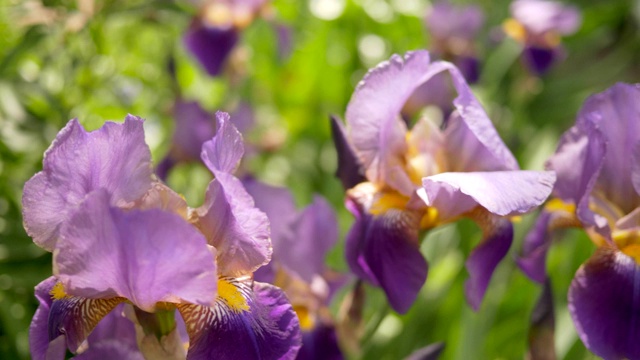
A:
(538, 25)
(598, 189)
(215, 32)
(301, 240)
(145, 250)
(420, 178)
(454, 30)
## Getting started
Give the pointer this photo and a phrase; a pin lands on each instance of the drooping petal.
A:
(114, 157)
(256, 322)
(321, 343)
(75, 317)
(350, 170)
(539, 59)
(500, 192)
(556, 215)
(384, 250)
(234, 226)
(224, 151)
(604, 302)
(533, 261)
(39, 329)
(210, 45)
(105, 252)
(615, 114)
(486, 256)
(113, 338)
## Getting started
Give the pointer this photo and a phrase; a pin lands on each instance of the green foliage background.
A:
(117, 63)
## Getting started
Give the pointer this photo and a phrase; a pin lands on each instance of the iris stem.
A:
(159, 323)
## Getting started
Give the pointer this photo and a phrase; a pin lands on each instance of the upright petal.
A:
(350, 170)
(615, 113)
(374, 127)
(114, 158)
(144, 256)
(384, 250)
(604, 302)
(224, 151)
(265, 327)
(577, 163)
(498, 235)
(210, 45)
(476, 127)
(465, 149)
(445, 20)
(500, 192)
(540, 16)
(234, 226)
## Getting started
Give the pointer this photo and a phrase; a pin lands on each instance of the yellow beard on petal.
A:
(515, 30)
(57, 292)
(230, 294)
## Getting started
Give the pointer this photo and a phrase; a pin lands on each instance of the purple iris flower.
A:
(539, 24)
(216, 30)
(403, 181)
(453, 31)
(598, 189)
(118, 235)
(301, 240)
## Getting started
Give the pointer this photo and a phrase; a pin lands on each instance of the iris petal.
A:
(267, 329)
(485, 257)
(114, 157)
(384, 250)
(210, 45)
(105, 252)
(75, 317)
(604, 301)
(229, 218)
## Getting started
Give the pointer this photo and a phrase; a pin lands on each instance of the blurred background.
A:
(295, 64)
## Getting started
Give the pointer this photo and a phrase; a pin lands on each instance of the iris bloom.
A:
(120, 236)
(598, 189)
(454, 29)
(301, 240)
(538, 25)
(216, 30)
(403, 181)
